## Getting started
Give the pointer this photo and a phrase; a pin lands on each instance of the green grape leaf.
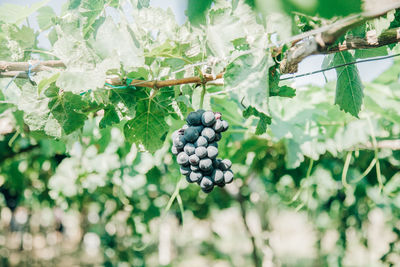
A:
(36, 111)
(44, 83)
(282, 91)
(45, 16)
(196, 10)
(373, 52)
(349, 89)
(125, 100)
(149, 128)
(143, 3)
(247, 77)
(110, 117)
(66, 109)
(294, 155)
(262, 123)
(126, 50)
(11, 13)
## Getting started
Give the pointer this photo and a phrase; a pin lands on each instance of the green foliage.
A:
(349, 89)
(73, 141)
(263, 122)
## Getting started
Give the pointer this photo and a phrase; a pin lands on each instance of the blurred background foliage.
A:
(314, 190)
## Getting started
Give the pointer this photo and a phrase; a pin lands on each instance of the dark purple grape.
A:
(175, 134)
(201, 141)
(179, 141)
(225, 125)
(195, 176)
(208, 118)
(218, 176)
(194, 168)
(185, 170)
(225, 164)
(205, 164)
(212, 152)
(218, 126)
(214, 144)
(208, 133)
(194, 160)
(189, 149)
(191, 134)
(218, 137)
(182, 159)
(206, 183)
(194, 118)
(228, 177)
(174, 150)
(201, 151)
(199, 128)
(188, 179)
(201, 111)
(215, 163)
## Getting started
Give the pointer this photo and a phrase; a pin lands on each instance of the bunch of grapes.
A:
(196, 147)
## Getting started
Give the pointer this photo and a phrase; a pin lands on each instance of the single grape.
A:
(188, 178)
(206, 183)
(175, 134)
(218, 126)
(218, 176)
(208, 172)
(212, 152)
(225, 125)
(189, 149)
(201, 141)
(195, 176)
(215, 163)
(179, 142)
(214, 144)
(208, 118)
(207, 191)
(194, 168)
(201, 151)
(218, 137)
(200, 112)
(205, 164)
(194, 160)
(182, 159)
(191, 134)
(225, 164)
(208, 133)
(199, 128)
(185, 170)
(194, 118)
(174, 150)
(228, 177)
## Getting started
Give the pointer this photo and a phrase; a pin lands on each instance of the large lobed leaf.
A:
(149, 128)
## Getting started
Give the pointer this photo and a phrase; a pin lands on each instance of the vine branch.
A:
(303, 46)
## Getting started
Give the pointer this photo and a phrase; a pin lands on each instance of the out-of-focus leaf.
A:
(196, 10)
(373, 52)
(247, 77)
(282, 91)
(45, 16)
(11, 13)
(262, 123)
